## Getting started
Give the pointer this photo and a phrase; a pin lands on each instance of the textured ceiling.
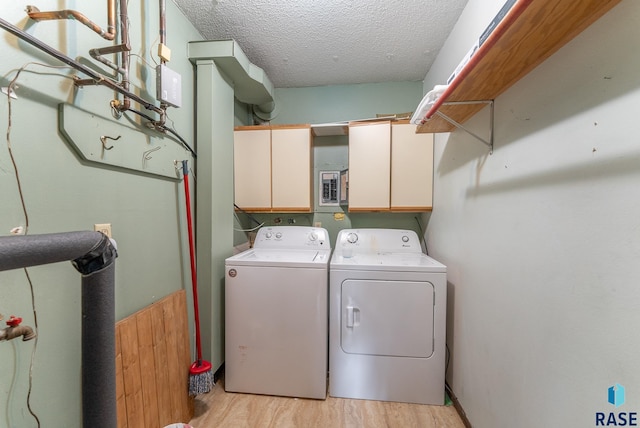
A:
(330, 42)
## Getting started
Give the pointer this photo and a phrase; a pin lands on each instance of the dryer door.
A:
(392, 318)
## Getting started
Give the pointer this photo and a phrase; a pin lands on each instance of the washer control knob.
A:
(405, 238)
(268, 235)
(352, 238)
(313, 236)
(278, 235)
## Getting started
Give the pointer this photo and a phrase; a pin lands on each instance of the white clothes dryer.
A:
(276, 322)
(387, 317)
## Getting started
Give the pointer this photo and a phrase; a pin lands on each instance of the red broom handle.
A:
(192, 257)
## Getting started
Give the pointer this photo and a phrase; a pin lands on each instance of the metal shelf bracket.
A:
(488, 143)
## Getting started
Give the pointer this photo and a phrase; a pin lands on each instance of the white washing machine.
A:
(276, 315)
(387, 318)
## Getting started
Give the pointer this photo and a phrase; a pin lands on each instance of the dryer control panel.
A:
(377, 241)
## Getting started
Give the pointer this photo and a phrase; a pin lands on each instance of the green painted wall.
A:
(62, 193)
(325, 104)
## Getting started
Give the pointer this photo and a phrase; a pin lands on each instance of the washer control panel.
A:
(292, 237)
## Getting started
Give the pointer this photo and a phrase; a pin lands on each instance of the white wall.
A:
(542, 238)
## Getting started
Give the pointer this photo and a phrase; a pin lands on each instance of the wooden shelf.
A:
(531, 32)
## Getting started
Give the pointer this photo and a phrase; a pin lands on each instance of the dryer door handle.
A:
(353, 316)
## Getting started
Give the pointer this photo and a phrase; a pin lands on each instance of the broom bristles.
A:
(200, 378)
(200, 383)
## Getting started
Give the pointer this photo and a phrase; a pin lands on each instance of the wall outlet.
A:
(104, 228)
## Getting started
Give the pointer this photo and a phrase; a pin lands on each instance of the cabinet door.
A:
(411, 169)
(369, 166)
(252, 169)
(291, 169)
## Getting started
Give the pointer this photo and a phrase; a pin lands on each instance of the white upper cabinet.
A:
(369, 166)
(252, 169)
(390, 167)
(291, 155)
(272, 168)
(411, 169)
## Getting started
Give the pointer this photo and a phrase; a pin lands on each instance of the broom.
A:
(200, 373)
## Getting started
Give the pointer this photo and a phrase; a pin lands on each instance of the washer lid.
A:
(415, 262)
(281, 258)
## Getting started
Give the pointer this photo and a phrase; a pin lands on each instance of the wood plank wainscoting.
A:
(152, 365)
(152, 369)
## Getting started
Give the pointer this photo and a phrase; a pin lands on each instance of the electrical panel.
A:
(329, 188)
(333, 188)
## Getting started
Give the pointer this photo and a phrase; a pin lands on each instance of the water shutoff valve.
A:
(14, 321)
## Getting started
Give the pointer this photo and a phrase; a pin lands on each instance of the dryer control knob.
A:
(352, 238)
(278, 235)
(313, 236)
(268, 235)
(405, 238)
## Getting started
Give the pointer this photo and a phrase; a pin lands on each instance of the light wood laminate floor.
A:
(232, 410)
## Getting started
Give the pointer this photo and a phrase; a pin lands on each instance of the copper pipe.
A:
(98, 52)
(162, 9)
(124, 56)
(123, 49)
(99, 78)
(163, 22)
(35, 14)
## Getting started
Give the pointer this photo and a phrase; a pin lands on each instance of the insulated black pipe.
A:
(99, 349)
(93, 255)
(32, 250)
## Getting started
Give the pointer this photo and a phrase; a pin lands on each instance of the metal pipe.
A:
(163, 23)
(97, 55)
(124, 56)
(10, 333)
(100, 79)
(35, 14)
(123, 49)
(162, 6)
(93, 255)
